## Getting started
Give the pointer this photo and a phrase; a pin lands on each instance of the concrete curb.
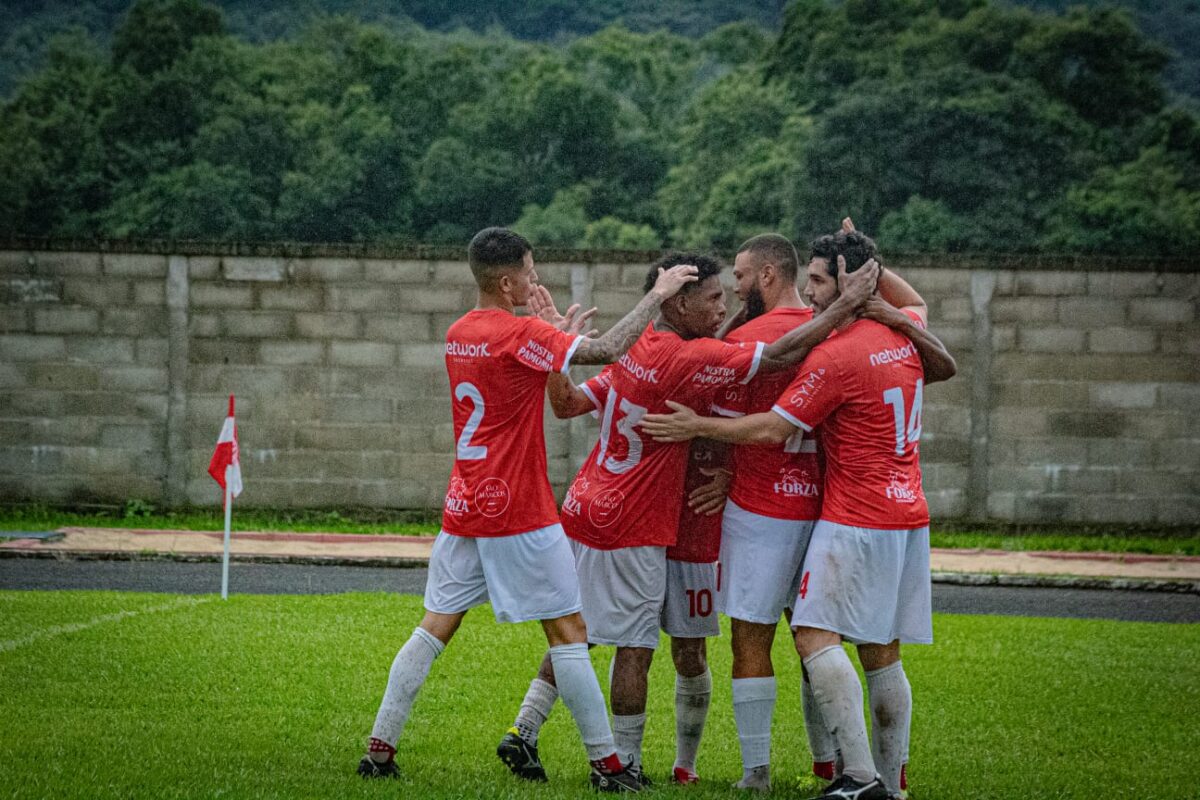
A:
(1066, 582)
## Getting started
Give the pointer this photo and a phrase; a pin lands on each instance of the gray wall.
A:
(1076, 400)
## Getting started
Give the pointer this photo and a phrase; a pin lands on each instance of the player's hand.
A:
(881, 310)
(675, 427)
(577, 321)
(857, 286)
(847, 225)
(670, 281)
(710, 498)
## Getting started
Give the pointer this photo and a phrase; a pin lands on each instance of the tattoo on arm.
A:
(620, 337)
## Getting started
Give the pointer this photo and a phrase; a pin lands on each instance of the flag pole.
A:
(228, 519)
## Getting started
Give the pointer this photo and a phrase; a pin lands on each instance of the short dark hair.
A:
(706, 266)
(776, 249)
(856, 247)
(493, 250)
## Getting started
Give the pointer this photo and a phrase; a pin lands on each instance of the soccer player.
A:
(774, 502)
(622, 511)
(866, 573)
(501, 539)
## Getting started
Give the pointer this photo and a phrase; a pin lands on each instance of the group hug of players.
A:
(801, 497)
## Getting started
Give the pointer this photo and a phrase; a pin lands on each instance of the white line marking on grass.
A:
(58, 630)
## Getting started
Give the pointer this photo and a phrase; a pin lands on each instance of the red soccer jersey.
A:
(498, 365)
(699, 537)
(774, 480)
(629, 492)
(864, 388)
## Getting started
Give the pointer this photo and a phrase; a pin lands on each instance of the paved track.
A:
(184, 578)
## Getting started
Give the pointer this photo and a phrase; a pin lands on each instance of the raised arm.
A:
(684, 423)
(902, 295)
(620, 337)
(566, 399)
(935, 358)
(793, 346)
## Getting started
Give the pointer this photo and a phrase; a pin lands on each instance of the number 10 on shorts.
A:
(699, 602)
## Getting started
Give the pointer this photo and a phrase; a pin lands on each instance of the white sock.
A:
(409, 669)
(840, 698)
(580, 692)
(627, 731)
(535, 709)
(753, 707)
(820, 740)
(890, 696)
(692, 698)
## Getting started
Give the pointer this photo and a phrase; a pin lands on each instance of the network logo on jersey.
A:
(605, 508)
(890, 354)
(714, 376)
(468, 350)
(537, 356)
(638, 371)
(492, 497)
(899, 489)
(808, 388)
(571, 504)
(456, 501)
(796, 482)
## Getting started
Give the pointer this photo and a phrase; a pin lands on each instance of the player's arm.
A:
(566, 399)
(793, 346)
(620, 337)
(898, 292)
(935, 358)
(684, 423)
(709, 498)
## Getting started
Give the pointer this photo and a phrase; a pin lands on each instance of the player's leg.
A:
(630, 687)
(890, 697)
(754, 694)
(519, 747)
(455, 584)
(693, 695)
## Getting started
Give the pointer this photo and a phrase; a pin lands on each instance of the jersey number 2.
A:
(465, 450)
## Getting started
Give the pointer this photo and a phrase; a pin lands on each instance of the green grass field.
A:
(152, 696)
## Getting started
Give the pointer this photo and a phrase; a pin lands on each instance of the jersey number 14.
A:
(911, 433)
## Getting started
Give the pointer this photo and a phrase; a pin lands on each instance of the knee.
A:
(689, 656)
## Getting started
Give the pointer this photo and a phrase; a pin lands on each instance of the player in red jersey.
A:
(500, 539)
(774, 502)
(866, 574)
(623, 509)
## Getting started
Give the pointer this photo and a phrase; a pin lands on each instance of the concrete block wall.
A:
(1075, 401)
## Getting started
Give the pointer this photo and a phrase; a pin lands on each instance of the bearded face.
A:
(755, 305)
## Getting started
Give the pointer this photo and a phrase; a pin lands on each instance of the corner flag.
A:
(225, 458)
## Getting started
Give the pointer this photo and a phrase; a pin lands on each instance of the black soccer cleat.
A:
(846, 788)
(370, 768)
(521, 757)
(641, 776)
(624, 781)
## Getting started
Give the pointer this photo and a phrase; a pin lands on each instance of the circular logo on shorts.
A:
(605, 508)
(492, 497)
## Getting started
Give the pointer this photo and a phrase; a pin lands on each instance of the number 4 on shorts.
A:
(804, 585)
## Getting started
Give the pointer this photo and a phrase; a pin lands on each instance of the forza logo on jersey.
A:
(470, 350)
(638, 371)
(456, 503)
(714, 376)
(537, 356)
(796, 483)
(899, 489)
(893, 354)
(571, 504)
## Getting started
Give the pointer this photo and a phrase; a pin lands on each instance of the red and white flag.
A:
(226, 456)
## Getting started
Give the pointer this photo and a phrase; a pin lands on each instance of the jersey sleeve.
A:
(597, 388)
(814, 394)
(543, 347)
(915, 317)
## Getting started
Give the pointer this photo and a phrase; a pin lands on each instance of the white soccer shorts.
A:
(527, 576)
(622, 593)
(690, 603)
(761, 561)
(871, 586)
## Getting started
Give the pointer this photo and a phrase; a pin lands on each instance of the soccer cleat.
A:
(624, 781)
(370, 768)
(642, 777)
(521, 757)
(684, 776)
(846, 788)
(756, 779)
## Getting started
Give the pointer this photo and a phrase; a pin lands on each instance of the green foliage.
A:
(937, 124)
